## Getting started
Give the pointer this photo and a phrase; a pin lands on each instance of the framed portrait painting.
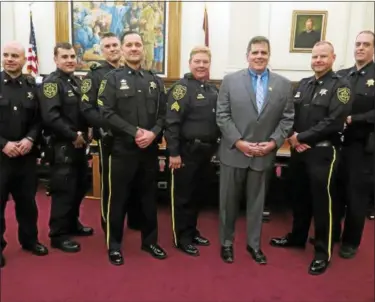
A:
(308, 27)
(156, 22)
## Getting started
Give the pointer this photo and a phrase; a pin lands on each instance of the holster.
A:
(63, 153)
(106, 138)
(47, 149)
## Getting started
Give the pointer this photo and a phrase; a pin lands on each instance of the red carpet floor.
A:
(88, 277)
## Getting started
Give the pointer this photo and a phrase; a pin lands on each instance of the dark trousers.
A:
(104, 153)
(134, 214)
(18, 177)
(356, 183)
(185, 182)
(312, 180)
(134, 209)
(143, 166)
(68, 186)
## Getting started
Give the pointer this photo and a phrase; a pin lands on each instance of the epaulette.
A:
(30, 79)
(95, 65)
(51, 76)
(189, 76)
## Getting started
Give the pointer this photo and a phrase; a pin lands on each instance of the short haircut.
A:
(130, 32)
(200, 49)
(325, 43)
(108, 35)
(62, 45)
(369, 32)
(258, 40)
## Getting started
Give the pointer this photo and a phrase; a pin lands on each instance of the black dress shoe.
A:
(2, 260)
(188, 249)
(83, 232)
(227, 254)
(371, 215)
(257, 255)
(37, 249)
(286, 242)
(155, 251)
(347, 252)
(115, 257)
(200, 240)
(68, 246)
(318, 267)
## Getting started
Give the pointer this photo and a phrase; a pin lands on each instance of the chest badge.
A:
(298, 94)
(123, 85)
(30, 95)
(323, 91)
(200, 96)
(70, 93)
(370, 82)
(152, 85)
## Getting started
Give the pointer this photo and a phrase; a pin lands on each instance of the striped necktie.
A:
(259, 93)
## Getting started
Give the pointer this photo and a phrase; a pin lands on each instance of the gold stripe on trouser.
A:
(330, 203)
(109, 197)
(101, 180)
(172, 208)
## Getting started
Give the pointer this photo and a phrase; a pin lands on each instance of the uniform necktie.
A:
(259, 93)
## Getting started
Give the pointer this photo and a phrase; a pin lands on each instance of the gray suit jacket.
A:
(238, 118)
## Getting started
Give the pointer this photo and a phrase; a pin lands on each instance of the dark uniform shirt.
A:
(191, 113)
(132, 99)
(60, 98)
(363, 107)
(321, 108)
(19, 116)
(89, 89)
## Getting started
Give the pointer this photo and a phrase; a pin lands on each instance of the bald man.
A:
(19, 130)
(322, 104)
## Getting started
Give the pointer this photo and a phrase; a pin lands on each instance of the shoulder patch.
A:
(179, 92)
(86, 85)
(50, 90)
(343, 94)
(102, 87)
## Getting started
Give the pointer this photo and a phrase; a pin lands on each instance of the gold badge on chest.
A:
(200, 96)
(370, 82)
(30, 95)
(323, 91)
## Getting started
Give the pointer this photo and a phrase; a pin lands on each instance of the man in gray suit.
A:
(255, 113)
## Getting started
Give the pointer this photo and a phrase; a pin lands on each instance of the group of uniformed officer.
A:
(333, 175)
(130, 111)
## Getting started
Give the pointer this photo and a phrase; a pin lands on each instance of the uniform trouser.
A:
(356, 167)
(124, 168)
(69, 184)
(18, 176)
(104, 153)
(184, 184)
(134, 210)
(313, 179)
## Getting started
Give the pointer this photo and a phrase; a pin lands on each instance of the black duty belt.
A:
(324, 144)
